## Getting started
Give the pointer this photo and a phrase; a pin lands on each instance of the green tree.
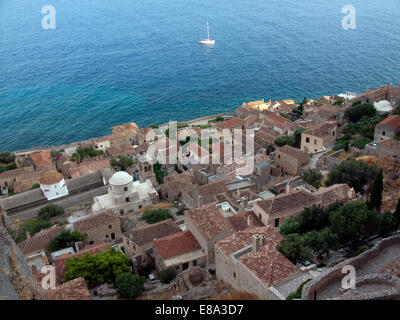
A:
(123, 162)
(103, 267)
(356, 112)
(355, 173)
(294, 247)
(65, 239)
(167, 275)
(156, 215)
(387, 224)
(397, 213)
(313, 177)
(49, 211)
(159, 172)
(350, 223)
(285, 140)
(129, 286)
(7, 157)
(376, 192)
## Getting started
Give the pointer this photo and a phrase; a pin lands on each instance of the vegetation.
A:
(355, 173)
(167, 275)
(313, 177)
(159, 172)
(376, 192)
(360, 142)
(50, 211)
(293, 140)
(297, 293)
(64, 240)
(7, 167)
(35, 186)
(358, 111)
(129, 286)
(156, 215)
(104, 267)
(317, 230)
(217, 119)
(82, 153)
(123, 162)
(7, 157)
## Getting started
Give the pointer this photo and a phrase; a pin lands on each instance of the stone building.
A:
(178, 251)
(276, 210)
(53, 185)
(130, 130)
(290, 160)
(234, 123)
(388, 128)
(388, 148)
(385, 92)
(140, 241)
(211, 223)
(195, 196)
(102, 227)
(125, 196)
(249, 261)
(146, 170)
(279, 124)
(319, 137)
(174, 185)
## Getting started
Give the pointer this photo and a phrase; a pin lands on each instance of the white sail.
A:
(207, 41)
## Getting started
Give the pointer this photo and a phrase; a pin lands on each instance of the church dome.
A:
(121, 178)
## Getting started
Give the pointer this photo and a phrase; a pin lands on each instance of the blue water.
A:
(110, 62)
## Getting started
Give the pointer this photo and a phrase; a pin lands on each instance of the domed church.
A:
(125, 195)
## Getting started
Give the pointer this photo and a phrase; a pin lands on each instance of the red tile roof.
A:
(393, 121)
(40, 240)
(75, 289)
(154, 231)
(278, 118)
(228, 124)
(95, 221)
(176, 244)
(269, 265)
(51, 178)
(41, 159)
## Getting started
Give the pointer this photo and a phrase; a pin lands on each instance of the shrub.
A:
(356, 112)
(157, 215)
(65, 239)
(298, 292)
(129, 286)
(167, 275)
(313, 177)
(49, 211)
(360, 142)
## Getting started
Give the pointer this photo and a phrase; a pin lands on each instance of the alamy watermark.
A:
(349, 281)
(49, 20)
(349, 20)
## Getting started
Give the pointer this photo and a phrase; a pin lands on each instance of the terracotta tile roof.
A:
(277, 118)
(94, 221)
(209, 221)
(154, 231)
(93, 249)
(177, 182)
(123, 150)
(212, 188)
(322, 129)
(41, 159)
(295, 200)
(393, 121)
(51, 178)
(240, 220)
(176, 244)
(131, 127)
(244, 238)
(40, 240)
(329, 195)
(89, 166)
(232, 123)
(75, 289)
(301, 155)
(269, 265)
(16, 172)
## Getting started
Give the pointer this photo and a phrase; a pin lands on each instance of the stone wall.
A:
(335, 274)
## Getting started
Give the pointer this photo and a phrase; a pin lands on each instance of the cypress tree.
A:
(376, 192)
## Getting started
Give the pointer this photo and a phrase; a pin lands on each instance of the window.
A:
(195, 262)
(107, 236)
(127, 199)
(333, 133)
(121, 211)
(307, 139)
(110, 226)
(384, 133)
(125, 188)
(276, 222)
(91, 242)
(315, 141)
(113, 236)
(234, 275)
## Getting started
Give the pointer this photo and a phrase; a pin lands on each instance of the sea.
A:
(111, 62)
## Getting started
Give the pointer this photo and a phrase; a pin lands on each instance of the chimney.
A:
(28, 235)
(78, 246)
(256, 243)
(249, 220)
(288, 188)
(200, 198)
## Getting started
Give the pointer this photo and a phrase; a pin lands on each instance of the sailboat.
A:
(207, 41)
